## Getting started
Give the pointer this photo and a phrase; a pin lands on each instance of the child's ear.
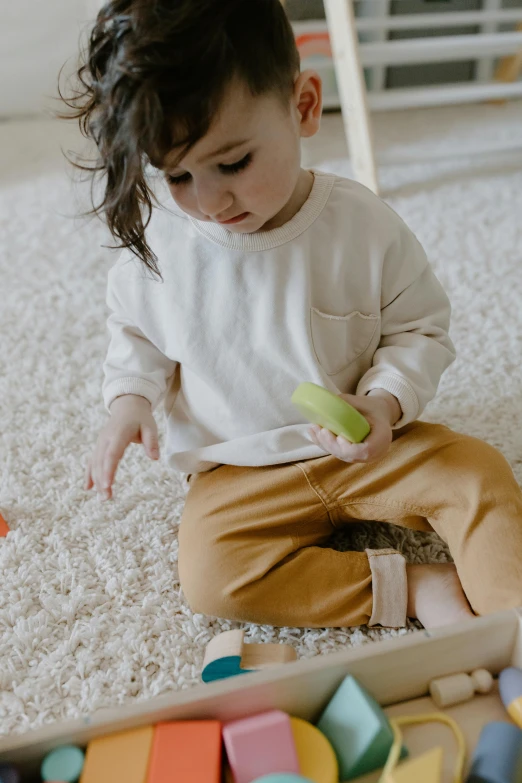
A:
(308, 96)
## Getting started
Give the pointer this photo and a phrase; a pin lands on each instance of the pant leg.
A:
(462, 486)
(251, 549)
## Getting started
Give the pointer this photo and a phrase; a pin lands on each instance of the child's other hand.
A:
(131, 421)
(382, 410)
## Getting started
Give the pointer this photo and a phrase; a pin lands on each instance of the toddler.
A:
(251, 276)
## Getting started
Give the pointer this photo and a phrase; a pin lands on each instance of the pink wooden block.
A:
(260, 745)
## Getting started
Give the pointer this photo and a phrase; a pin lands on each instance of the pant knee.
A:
(480, 463)
(206, 594)
(206, 576)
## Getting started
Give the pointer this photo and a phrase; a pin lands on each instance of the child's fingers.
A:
(341, 448)
(111, 459)
(88, 483)
(149, 437)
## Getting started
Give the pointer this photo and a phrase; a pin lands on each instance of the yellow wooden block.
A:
(317, 759)
(118, 757)
(426, 768)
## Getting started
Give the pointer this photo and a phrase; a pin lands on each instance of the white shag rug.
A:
(91, 613)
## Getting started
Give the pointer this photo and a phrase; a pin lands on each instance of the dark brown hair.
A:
(155, 68)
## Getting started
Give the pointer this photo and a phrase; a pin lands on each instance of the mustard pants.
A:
(253, 542)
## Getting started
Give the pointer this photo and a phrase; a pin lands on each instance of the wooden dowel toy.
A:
(227, 656)
(186, 752)
(123, 756)
(458, 688)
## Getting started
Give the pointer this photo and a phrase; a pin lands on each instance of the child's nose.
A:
(214, 200)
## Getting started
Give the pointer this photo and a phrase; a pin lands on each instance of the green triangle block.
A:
(358, 730)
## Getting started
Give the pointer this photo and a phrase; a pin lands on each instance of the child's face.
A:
(245, 171)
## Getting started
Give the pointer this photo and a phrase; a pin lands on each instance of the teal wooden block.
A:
(223, 668)
(64, 764)
(358, 730)
(282, 777)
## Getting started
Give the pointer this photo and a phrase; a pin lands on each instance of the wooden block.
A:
(423, 769)
(227, 656)
(358, 729)
(317, 759)
(186, 752)
(4, 527)
(260, 745)
(510, 687)
(63, 763)
(119, 757)
(457, 688)
(9, 774)
(283, 777)
(498, 755)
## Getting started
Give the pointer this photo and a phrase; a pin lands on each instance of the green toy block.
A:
(358, 730)
(322, 407)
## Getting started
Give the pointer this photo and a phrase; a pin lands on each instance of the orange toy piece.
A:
(186, 752)
(118, 757)
(4, 527)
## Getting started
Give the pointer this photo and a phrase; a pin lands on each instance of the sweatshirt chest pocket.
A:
(340, 340)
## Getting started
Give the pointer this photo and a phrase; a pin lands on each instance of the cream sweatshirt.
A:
(342, 295)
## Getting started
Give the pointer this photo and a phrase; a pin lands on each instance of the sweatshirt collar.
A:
(265, 240)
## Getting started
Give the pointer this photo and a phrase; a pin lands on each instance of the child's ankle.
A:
(435, 595)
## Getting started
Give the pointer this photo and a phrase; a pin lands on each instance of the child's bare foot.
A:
(435, 595)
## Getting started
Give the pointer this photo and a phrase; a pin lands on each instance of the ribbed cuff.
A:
(389, 587)
(131, 385)
(399, 387)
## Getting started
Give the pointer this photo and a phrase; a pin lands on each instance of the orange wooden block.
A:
(186, 752)
(4, 527)
(119, 757)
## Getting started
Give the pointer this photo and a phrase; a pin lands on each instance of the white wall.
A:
(36, 38)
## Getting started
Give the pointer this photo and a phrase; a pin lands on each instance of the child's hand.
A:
(131, 421)
(382, 410)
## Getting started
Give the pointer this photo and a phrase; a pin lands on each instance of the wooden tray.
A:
(397, 672)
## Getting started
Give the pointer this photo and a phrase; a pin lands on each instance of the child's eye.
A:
(233, 168)
(179, 180)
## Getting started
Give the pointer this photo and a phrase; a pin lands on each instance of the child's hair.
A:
(153, 76)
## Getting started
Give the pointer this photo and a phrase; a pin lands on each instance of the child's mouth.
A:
(236, 219)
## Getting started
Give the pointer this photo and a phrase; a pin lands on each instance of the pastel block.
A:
(358, 730)
(283, 777)
(510, 689)
(317, 759)
(186, 752)
(4, 527)
(9, 774)
(426, 769)
(498, 755)
(327, 409)
(260, 745)
(64, 763)
(122, 756)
